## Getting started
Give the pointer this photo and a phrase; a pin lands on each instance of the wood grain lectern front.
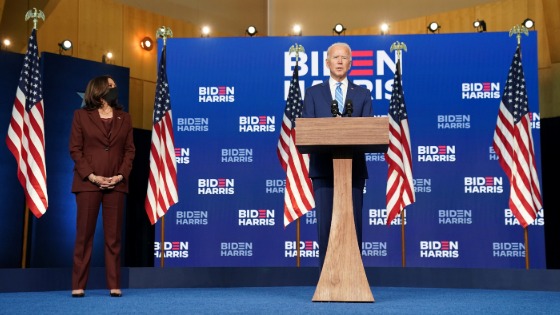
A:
(343, 277)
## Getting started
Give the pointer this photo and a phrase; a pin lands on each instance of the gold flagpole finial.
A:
(297, 49)
(518, 30)
(35, 15)
(398, 46)
(164, 32)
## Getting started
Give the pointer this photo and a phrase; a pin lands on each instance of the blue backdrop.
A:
(228, 97)
(11, 196)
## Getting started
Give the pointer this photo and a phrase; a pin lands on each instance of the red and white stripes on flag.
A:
(26, 133)
(513, 143)
(400, 190)
(162, 182)
(298, 196)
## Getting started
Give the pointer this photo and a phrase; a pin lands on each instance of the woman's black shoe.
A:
(78, 295)
(115, 294)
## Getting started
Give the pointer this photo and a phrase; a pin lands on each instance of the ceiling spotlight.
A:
(106, 58)
(528, 23)
(384, 28)
(146, 43)
(297, 30)
(480, 25)
(251, 31)
(5, 43)
(64, 45)
(339, 29)
(205, 31)
(434, 27)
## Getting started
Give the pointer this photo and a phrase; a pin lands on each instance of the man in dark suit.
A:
(317, 103)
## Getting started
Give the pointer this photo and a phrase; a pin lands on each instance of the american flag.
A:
(400, 190)
(513, 143)
(298, 196)
(162, 183)
(26, 134)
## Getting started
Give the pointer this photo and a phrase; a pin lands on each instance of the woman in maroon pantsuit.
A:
(102, 148)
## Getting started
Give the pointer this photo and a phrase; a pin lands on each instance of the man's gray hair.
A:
(339, 44)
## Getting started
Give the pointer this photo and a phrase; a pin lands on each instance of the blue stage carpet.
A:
(281, 300)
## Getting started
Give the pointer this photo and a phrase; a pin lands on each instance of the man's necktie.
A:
(338, 96)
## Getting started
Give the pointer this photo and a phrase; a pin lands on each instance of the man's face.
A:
(339, 62)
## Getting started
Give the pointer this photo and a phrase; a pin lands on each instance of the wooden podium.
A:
(343, 277)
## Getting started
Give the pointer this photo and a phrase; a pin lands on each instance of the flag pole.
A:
(35, 15)
(298, 238)
(403, 243)
(25, 234)
(163, 32)
(298, 194)
(526, 237)
(398, 47)
(162, 243)
(297, 49)
(518, 30)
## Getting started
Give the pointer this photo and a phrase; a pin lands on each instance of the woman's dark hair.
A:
(96, 89)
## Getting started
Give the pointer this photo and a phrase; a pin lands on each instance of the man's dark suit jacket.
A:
(317, 103)
(96, 151)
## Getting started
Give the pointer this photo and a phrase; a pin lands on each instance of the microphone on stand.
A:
(334, 108)
(348, 108)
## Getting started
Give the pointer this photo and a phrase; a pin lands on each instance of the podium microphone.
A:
(348, 108)
(334, 108)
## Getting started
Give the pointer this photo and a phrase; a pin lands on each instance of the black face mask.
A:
(111, 95)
